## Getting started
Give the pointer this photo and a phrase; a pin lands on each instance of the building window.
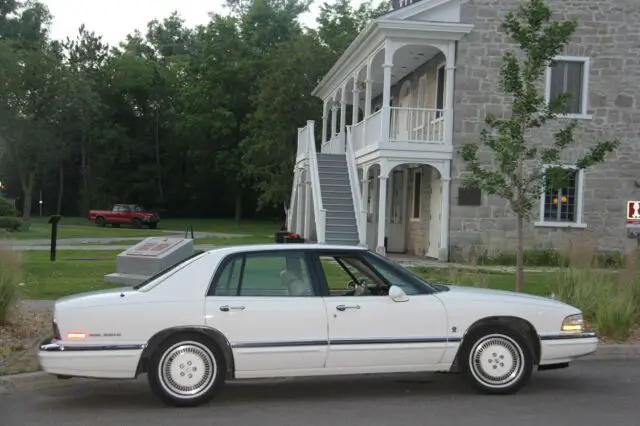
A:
(416, 198)
(570, 75)
(562, 207)
(440, 81)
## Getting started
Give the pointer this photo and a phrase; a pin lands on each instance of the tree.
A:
(519, 173)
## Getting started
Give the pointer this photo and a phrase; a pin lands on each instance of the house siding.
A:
(609, 34)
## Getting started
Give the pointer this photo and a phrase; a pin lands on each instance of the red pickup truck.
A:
(125, 214)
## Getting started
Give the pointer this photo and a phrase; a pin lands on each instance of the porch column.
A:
(382, 207)
(334, 118)
(343, 110)
(443, 254)
(325, 117)
(448, 113)
(367, 96)
(299, 206)
(307, 207)
(386, 92)
(365, 203)
(356, 101)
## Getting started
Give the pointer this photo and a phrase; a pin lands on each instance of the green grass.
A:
(76, 227)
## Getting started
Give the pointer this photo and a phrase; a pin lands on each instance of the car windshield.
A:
(166, 271)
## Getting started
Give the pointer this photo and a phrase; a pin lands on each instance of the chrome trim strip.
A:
(568, 336)
(50, 346)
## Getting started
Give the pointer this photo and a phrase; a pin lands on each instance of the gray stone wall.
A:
(608, 33)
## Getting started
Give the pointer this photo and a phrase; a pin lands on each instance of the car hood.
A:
(480, 294)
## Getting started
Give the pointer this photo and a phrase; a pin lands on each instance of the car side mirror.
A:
(397, 294)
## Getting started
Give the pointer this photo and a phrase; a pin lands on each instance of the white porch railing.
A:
(366, 132)
(354, 182)
(303, 143)
(335, 145)
(320, 213)
(417, 125)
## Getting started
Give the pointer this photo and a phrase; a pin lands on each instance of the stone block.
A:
(148, 258)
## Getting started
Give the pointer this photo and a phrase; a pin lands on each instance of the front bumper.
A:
(566, 347)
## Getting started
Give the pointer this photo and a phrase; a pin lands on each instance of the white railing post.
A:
(354, 183)
(314, 175)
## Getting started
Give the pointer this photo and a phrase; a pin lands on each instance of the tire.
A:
(496, 360)
(137, 223)
(100, 221)
(175, 360)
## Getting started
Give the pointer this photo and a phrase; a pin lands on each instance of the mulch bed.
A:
(20, 338)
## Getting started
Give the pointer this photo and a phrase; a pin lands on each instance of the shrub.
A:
(10, 223)
(608, 299)
(7, 207)
(10, 277)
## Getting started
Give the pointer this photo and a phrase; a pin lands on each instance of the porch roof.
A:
(396, 24)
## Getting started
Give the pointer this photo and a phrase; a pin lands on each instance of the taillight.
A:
(56, 332)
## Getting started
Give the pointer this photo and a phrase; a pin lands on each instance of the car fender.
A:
(215, 335)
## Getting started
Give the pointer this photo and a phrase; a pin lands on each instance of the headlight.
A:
(573, 324)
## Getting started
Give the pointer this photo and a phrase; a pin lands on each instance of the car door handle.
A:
(345, 307)
(227, 308)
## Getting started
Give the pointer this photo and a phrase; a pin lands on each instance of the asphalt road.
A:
(588, 393)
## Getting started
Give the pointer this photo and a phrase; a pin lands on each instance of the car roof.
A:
(273, 247)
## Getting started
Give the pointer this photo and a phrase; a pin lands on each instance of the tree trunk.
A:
(158, 163)
(27, 189)
(60, 187)
(520, 254)
(238, 208)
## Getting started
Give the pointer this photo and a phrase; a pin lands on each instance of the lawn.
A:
(76, 227)
(77, 271)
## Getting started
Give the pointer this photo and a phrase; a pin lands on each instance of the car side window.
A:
(387, 270)
(348, 275)
(274, 274)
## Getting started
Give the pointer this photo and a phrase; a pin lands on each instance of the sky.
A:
(114, 19)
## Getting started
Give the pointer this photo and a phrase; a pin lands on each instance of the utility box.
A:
(149, 257)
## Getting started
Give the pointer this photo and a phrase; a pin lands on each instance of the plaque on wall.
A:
(469, 197)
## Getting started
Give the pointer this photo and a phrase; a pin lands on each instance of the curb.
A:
(26, 382)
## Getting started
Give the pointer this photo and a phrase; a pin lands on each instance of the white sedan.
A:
(294, 310)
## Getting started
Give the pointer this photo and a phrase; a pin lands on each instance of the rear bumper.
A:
(565, 347)
(93, 361)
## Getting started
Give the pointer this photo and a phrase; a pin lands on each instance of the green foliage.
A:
(7, 207)
(10, 223)
(10, 276)
(548, 257)
(518, 172)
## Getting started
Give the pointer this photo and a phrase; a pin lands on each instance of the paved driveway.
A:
(590, 393)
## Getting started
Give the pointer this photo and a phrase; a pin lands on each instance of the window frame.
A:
(579, 192)
(414, 172)
(365, 256)
(225, 261)
(586, 70)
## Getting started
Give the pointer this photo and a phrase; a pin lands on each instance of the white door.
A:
(435, 215)
(396, 230)
(267, 307)
(368, 331)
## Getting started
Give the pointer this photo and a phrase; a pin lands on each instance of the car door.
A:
(269, 308)
(372, 332)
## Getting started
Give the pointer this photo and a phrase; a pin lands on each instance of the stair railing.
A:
(320, 212)
(354, 183)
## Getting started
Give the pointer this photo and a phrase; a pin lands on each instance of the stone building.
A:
(416, 84)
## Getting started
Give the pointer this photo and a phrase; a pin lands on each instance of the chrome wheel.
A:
(496, 361)
(187, 369)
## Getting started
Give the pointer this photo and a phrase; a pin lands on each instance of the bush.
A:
(10, 277)
(608, 299)
(7, 207)
(10, 223)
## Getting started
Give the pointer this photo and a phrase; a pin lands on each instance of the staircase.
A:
(341, 227)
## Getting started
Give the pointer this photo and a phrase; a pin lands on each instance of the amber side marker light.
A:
(76, 335)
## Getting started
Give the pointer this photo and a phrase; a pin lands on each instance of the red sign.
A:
(633, 210)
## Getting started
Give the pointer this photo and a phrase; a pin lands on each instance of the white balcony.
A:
(412, 131)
